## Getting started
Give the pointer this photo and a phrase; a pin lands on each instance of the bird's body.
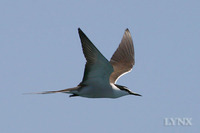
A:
(100, 75)
(100, 90)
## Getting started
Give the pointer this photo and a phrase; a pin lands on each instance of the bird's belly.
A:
(96, 91)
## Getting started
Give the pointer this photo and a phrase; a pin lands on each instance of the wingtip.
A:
(127, 32)
(80, 32)
(127, 29)
(79, 29)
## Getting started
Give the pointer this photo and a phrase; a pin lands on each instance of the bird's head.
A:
(127, 91)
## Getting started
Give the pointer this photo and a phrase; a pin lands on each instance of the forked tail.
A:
(63, 91)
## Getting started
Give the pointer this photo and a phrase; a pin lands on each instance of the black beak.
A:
(131, 93)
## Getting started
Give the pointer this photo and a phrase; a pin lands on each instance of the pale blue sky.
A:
(40, 50)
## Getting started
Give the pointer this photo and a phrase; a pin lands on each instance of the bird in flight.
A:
(100, 75)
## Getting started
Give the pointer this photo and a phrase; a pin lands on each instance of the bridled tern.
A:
(100, 75)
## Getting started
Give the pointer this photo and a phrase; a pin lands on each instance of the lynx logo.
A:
(178, 121)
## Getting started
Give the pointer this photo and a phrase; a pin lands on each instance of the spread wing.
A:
(97, 67)
(123, 59)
